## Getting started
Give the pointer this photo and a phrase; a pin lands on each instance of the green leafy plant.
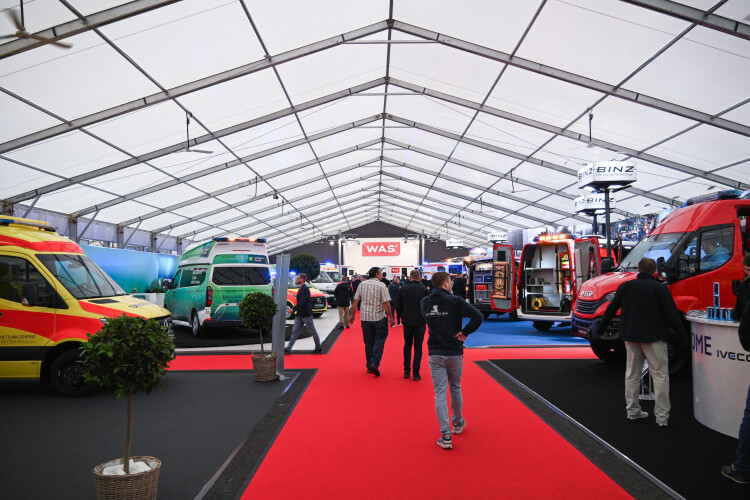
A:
(257, 310)
(305, 263)
(156, 287)
(128, 354)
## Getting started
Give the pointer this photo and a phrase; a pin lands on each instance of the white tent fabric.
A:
(452, 119)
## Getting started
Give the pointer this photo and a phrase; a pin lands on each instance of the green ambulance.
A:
(213, 278)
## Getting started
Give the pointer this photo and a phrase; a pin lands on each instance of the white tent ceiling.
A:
(449, 118)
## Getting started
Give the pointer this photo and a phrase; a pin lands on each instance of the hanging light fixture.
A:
(591, 118)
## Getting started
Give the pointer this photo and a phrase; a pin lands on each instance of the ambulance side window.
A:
(192, 276)
(21, 282)
(176, 280)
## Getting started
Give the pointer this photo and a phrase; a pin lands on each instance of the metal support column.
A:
(278, 331)
(606, 220)
(154, 247)
(120, 235)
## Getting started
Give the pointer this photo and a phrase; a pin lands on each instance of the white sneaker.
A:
(639, 415)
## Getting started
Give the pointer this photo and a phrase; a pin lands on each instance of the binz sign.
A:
(607, 173)
(592, 203)
(381, 249)
(494, 237)
(454, 243)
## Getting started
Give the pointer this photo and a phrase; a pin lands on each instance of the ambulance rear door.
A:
(504, 272)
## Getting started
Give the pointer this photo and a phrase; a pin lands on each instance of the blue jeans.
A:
(447, 370)
(308, 322)
(743, 450)
(374, 334)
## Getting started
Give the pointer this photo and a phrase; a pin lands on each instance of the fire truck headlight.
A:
(609, 296)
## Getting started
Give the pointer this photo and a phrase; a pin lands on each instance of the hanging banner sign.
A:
(454, 243)
(497, 237)
(593, 202)
(479, 251)
(381, 248)
(609, 173)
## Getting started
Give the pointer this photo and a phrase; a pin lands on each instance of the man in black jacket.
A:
(408, 304)
(739, 471)
(459, 286)
(304, 311)
(743, 290)
(443, 313)
(648, 310)
(344, 294)
(393, 289)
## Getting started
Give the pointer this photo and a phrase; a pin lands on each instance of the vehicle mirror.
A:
(607, 265)
(30, 294)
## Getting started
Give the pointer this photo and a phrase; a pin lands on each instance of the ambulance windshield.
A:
(80, 276)
(652, 247)
(333, 276)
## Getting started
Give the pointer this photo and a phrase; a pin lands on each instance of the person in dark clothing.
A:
(459, 286)
(385, 281)
(304, 311)
(648, 310)
(409, 307)
(443, 313)
(427, 283)
(739, 471)
(344, 294)
(742, 290)
(393, 289)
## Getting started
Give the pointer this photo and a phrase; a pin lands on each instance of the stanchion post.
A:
(278, 331)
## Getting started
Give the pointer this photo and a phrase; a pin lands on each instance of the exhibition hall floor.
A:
(331, 430)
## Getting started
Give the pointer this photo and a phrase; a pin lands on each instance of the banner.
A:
(381, 249)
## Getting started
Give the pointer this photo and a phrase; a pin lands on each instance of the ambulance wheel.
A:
(289, 310)
(608, 351)
(542, 326)
(66, 374)
(195, 325)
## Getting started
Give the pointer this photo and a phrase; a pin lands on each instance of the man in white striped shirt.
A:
(375, 317)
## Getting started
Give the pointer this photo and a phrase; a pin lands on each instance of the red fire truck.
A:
(491, 282)
(551, 272)
(695, 246)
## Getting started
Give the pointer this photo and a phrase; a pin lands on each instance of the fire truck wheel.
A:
(195, 325)
(543, 326)
(609, 351)
(66, 374)
(486, 314)
(513, 315)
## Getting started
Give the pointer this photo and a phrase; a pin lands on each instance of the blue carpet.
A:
(506, 332)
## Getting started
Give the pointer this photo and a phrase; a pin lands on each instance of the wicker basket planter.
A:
(139, 486)
(264, 367)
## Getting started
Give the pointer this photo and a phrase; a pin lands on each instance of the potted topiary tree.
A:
(305, 263)
(128, 354)
(257, 310)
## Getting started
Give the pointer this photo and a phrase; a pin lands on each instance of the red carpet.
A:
(356, 436)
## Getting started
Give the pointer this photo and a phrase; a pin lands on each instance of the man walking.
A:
(409, 307)
(459, 286)
(343, 293)
(304, 311)
(393, 289)
(375, 316)
(648, 310)
(443, 313)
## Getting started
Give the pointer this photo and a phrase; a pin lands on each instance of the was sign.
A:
(381, 249)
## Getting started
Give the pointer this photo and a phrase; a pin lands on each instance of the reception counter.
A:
(721, 374)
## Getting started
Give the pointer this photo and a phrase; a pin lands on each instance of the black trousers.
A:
(413, 335)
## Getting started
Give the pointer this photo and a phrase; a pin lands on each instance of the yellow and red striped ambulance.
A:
(51, 296)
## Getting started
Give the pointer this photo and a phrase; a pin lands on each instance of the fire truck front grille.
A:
(588, 306)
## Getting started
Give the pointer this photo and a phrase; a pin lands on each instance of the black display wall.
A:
(324, 252)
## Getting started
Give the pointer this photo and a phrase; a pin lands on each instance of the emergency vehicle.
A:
(551, 272)
(479, 281)
(318, 298)
(448, 266)
(51, 296)
(347, 271)
(399, 271)
(213, 278)
(327, 281)
(504, 278)
(695, 246)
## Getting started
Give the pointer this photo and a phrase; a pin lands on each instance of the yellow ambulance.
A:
(51, 296)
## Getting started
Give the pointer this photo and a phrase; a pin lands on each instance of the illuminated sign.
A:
(493, 237)
(593, 202)
(607, 173)
(381, 249)
(454, 243)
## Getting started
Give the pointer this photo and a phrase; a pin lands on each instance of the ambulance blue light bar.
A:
(258, 240)
(728, 194)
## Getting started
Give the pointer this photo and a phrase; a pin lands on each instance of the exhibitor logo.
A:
(381, 249)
